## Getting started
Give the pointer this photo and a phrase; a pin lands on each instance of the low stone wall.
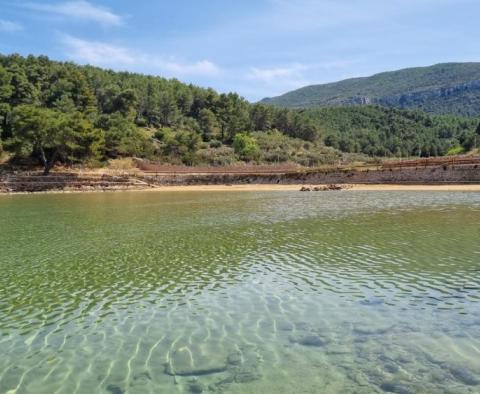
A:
(423, 175)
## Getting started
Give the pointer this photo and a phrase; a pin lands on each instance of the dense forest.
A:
(380, 131)
(60, 112)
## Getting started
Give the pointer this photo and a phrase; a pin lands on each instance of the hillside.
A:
(61, 113)
(449, 88)
(379, 131)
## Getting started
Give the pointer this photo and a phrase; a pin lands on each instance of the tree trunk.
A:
(48, 164)
(47, 167)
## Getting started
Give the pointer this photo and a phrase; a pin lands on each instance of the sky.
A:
(258, 48)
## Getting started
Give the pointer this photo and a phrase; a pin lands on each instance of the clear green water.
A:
(284, 292)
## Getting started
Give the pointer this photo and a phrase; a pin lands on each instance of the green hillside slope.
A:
(449, 88)
(379, 131)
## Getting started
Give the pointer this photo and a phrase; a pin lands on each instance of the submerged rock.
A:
(405, 359)
(284, 326)
(360, 379)
(199, 371)
(114, 389)
(313, 340)
(323, 188)
(372, 302)
(182, 363)
(394, 387)
(234, 358)
(391, 368)
(310, 340)
(196, 387)
(364, 329)
(245, 375)
(302, 325)
(464, 375)
(339, 349)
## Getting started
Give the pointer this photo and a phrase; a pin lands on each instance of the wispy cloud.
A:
(116, 56)
(9, 26)
(276, 80)
(291, 73)
(81, 10)
(96, 53)
(202, 67)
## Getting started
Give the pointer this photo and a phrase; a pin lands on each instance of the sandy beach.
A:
(297, 187)
(273, 187)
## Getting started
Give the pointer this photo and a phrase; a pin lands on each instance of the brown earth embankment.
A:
(137, 180)
(462, 174)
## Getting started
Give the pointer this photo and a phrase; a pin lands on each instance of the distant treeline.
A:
(379, 131)
(61, 112)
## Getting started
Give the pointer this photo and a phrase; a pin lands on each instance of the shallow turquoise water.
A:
(281, 292)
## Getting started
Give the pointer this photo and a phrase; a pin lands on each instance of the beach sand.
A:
(275, 187)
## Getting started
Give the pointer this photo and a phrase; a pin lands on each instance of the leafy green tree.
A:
(262, 117)
(51, 136)
(246, 147)
(125, 103)
(184, 98)
(167, 109)
(233, 115)
(208, 124)
(6, 90)
(149, 109)
(23, 92)
(182, 145)
(123, 138)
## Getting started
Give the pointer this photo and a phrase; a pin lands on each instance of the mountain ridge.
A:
(444, 88)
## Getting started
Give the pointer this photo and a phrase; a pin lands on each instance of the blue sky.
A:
(257, 48)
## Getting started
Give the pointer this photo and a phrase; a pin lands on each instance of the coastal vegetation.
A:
(56, 112)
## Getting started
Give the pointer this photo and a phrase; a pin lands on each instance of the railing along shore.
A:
(161, 169)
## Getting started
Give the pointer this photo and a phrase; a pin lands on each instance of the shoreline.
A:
(267, 187)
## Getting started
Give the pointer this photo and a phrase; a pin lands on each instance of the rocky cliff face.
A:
(445, 100)
(414, 99)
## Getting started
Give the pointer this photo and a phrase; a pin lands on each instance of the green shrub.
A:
(456, 150)
(215, 144)
(246, 147)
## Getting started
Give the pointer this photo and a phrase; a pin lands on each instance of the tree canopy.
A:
(61, 112)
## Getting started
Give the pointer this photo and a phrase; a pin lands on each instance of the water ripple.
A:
(250, 292)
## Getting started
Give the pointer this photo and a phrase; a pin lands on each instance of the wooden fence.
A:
(164, 169)
(433, 161)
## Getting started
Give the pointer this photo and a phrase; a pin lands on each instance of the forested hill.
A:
(449, 88)
(53, 112)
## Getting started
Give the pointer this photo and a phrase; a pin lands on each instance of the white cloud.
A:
(203, 67)
(9, 26)
(273, 74)
(279, 79)
(114, 56)
(276, 80)
(97, 53)
(79, 9)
